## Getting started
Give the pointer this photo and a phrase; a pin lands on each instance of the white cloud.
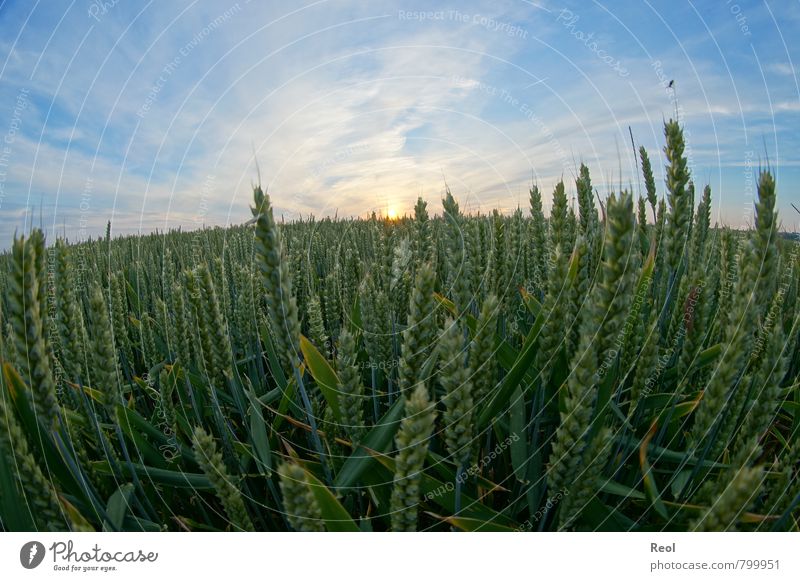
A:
(792, 106)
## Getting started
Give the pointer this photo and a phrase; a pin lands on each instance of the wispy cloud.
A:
(781, 69)
(156, 116)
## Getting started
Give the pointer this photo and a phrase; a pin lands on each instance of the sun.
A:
(391, 214)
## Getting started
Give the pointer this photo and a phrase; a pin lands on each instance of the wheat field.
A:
(626, 365)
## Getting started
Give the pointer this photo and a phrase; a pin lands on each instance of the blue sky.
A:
(152, 114)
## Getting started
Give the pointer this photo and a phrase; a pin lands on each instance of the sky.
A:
(159, 115)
